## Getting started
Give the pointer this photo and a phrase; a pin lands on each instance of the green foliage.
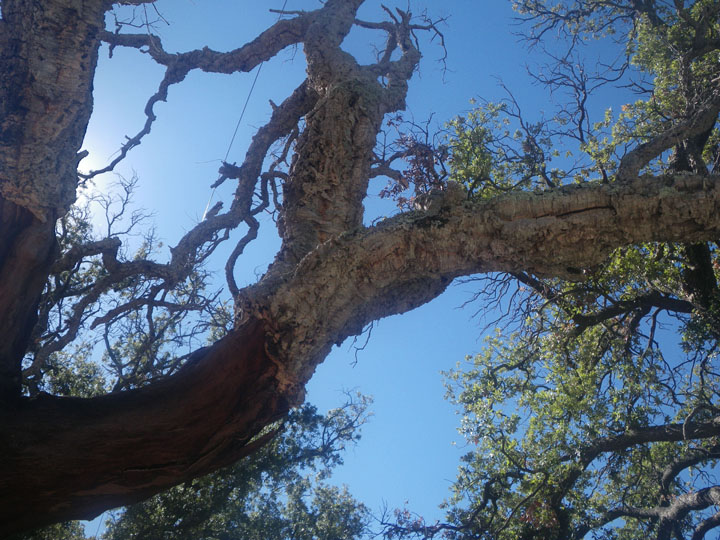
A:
(670, 61)
(551, 411)
(493, 150)
(472, 160)
(597, 418)
(60, 531)
(277, 493)
(74, 373)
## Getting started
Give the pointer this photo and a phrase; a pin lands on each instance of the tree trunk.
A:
(69, 458)
(48, 54)
(26, 252)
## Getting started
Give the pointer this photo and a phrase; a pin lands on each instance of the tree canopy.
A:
(596, 417)
(582, 423)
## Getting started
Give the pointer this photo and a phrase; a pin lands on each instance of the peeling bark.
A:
(408, 260)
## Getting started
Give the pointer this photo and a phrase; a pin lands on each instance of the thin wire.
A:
(99, 524)
(242, 114)
(237, 126)
(232, 140)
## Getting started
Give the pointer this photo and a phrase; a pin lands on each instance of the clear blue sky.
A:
(406, 454)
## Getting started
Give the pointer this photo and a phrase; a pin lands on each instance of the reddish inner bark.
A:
(62, 454)
(27, 250)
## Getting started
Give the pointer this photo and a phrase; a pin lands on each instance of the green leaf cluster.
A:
(280, 492)
(549, 412)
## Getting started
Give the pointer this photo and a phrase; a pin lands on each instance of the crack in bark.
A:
(591, 209)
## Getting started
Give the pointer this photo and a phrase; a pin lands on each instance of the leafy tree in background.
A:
(172, 407)
(60, 531)
(277, 493)
(598, 416)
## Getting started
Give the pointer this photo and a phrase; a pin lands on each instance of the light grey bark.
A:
(408, 260)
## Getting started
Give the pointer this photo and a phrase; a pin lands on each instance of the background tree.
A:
(278, 492)
(596, 417)
(170, 418)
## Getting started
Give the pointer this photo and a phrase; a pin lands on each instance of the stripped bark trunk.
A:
(26, 252)
(69, 458)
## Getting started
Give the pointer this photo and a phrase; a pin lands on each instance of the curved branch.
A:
(79, 251)
(705, 526)
(244, 59)
(694, 457)
(174, 74)
(267, 45)
(407, 260)
(137, 442)
(681, 506)
(204, 416)
(700, 121)
(662, 433)
(643, 302)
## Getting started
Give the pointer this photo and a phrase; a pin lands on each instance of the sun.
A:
(98, 155)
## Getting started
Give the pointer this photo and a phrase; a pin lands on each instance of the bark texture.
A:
(65, 458)
(48, 55)
(408, 260)
(26, 253)
(69, 458)
(48, 61)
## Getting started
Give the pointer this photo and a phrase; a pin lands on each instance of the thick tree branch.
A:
(79, 251)
(553, 234)
(706, 526)
(699, 121)
(244, 59)
(681, 506)
(662, 433)
(643, 302)
(136, 442)
(694, 457)
(669, 516)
